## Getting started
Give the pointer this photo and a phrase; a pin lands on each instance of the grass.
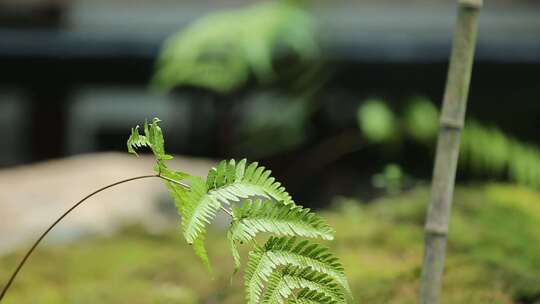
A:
(494, 256)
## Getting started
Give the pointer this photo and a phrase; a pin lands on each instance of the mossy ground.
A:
(493, 256)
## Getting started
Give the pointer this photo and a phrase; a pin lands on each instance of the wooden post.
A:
(444, 172)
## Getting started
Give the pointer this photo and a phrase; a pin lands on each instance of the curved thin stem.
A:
(172, 181)
(23, 261)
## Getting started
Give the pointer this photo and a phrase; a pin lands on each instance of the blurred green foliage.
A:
(493, 256)
(484, 150)
(421, 119)
(487, 150)
(391, 179)
(223, 51)
(271, 118)
(219, 51)
(494, 245)
(376, 120)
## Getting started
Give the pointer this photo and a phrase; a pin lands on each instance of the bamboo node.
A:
(451, 123)
(436, 230)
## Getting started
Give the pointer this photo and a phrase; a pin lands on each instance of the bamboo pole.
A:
(444, 172)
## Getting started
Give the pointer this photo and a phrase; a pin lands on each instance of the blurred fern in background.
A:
(225, 51)
(220, 51)
(485, 150)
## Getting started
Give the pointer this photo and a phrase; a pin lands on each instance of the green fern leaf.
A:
(136, 141)
(178, 193)
(233, 181)
(287, 266)
(282, 285)
(307, 296)
(284, 220)
(234, 252)
(200, 251)
(258, 216)
(153, 139)
(229, 182)
(199, 209)
(283, 251)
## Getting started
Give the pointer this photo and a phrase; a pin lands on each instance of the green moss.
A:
(493, 256)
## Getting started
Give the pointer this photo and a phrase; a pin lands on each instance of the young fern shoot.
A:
(282, 270)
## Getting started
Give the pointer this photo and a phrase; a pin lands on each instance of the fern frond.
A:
(136, 141)
(283, 251)
(284, 220)
(303, 271)
(229, 182)
(153, 139)
(306, 296)
(235, 181)
(234, 252)
(258, 216)
(199, 209)
(178, 194)
(282, 285)
(200, 251)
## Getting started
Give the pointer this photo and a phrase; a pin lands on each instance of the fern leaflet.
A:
(306, 296)
(282, 285)
(229, 182)
(258, 216)
(239, 180)
(153, 139)
(285, 220)
(283, 251)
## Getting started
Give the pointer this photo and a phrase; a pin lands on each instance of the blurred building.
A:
(74, 74)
